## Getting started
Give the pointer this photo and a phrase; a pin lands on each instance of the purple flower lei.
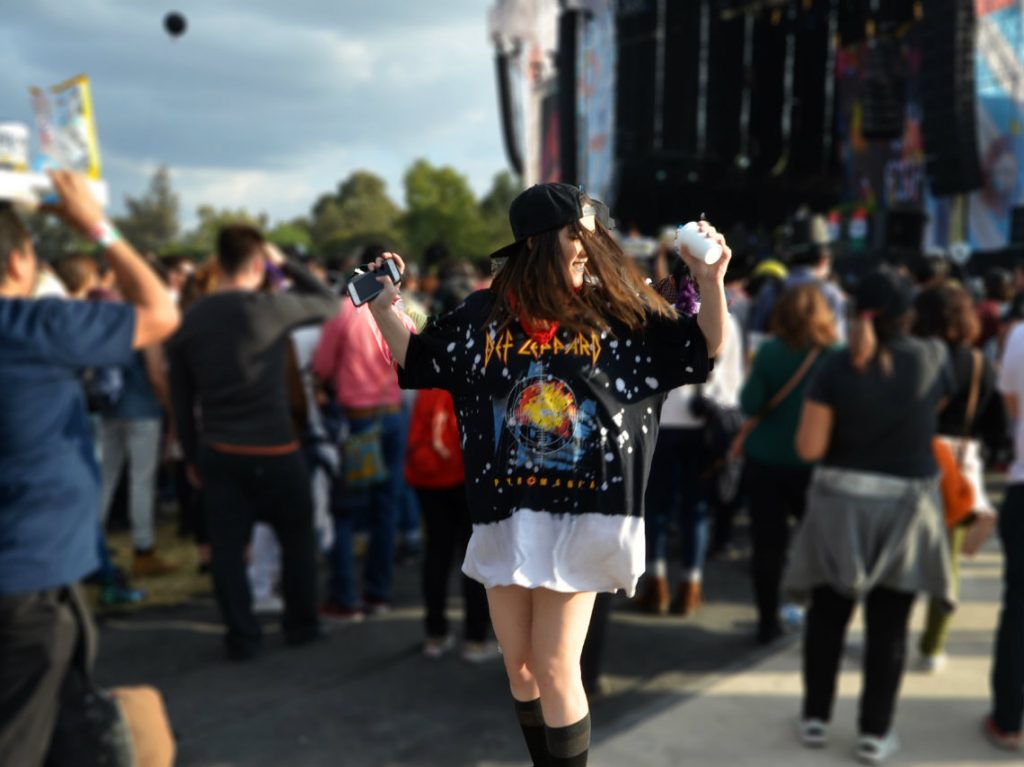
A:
(688, 298)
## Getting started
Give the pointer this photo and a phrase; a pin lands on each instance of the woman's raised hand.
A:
(389, 294)
(704, 273)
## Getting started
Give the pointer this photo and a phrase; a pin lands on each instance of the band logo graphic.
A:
(542, 414)
(580, 346)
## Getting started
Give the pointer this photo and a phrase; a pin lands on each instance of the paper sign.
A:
(67, 127)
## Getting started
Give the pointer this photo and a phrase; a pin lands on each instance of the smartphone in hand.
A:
(364, 287)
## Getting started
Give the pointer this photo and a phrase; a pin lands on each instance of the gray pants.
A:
(138, 442)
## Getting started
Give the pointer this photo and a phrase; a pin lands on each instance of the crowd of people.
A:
(559, 427)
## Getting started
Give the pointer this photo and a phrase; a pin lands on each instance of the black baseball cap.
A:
(545, 207)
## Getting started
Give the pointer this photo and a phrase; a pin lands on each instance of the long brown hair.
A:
(946, 312)
(534, 284)
(803, 318)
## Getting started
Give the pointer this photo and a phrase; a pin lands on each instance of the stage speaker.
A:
(948, 97)
(1017, 225)
(636, 27)
(814, 88)
(677, 132)
(884, 90)
(726, 86)
(904, 229)
(568, 46)
(768, 91)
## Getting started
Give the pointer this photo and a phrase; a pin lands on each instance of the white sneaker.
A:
(437, 647)
(932, 664)
(813, 732)
(872, 749)
(268, 605)
(480, 652)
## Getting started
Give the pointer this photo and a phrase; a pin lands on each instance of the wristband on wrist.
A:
(105, 234)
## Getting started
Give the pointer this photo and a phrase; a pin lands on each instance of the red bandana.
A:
(538, 334)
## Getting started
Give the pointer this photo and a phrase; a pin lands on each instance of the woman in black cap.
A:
(558, 373)
(873, 528)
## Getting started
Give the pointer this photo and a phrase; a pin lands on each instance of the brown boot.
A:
(150, 563)
(688, 599)
(654, 595)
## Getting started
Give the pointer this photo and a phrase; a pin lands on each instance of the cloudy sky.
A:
(265, 104)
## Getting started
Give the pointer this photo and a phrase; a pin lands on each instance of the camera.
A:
(364, 287)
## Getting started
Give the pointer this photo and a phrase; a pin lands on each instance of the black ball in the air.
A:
(175, 24)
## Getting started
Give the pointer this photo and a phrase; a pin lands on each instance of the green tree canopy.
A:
(504, 188)
(51, 238)
(211, 220)
(291, 234)
(440, 207)
(151, 221)
(495, 229)
(360, 206)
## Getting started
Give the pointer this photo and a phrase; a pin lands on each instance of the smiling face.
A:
(573, 252)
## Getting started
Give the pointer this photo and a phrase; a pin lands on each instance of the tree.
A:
(360, 206)
(151, 221)
(52, 239)
(211, 220)
(504, 188)
(291, 234)
(495, 229)
(441, 207)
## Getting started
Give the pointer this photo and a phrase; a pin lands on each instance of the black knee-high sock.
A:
(568, 746)
(532, 721)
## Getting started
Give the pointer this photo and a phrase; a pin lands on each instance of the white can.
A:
(698, 244)
(13, 146)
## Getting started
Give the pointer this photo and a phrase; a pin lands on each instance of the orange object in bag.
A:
(957, 492)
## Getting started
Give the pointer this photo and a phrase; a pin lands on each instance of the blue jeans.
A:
(380, 506)
(409, 511)
(676, 488)
(1008, 667)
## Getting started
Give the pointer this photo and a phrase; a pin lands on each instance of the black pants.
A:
(1008, 664)
(447, 528)
(777, 496)
(192, 514)
(592, 658)
(887, 614)
(45, 637)
(238, 491)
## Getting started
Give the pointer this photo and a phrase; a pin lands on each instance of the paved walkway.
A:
(748, 717)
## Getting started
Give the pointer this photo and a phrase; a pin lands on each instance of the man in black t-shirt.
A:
(228, 363)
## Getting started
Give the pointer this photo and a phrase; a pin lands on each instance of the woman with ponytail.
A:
(947, 312)
(873, 529)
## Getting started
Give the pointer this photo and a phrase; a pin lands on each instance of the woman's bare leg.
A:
(512, 618)
(559, 628)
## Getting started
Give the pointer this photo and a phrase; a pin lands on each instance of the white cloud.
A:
(263, 104)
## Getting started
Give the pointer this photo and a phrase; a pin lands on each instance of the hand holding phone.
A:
(364, 287)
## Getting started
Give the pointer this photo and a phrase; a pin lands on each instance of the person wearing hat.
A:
(558, 372)
(873, 530)
(810, 261)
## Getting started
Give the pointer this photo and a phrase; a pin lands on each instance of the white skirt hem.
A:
(568, 553)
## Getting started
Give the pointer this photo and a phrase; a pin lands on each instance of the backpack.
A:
(104, 388)
(425, 467)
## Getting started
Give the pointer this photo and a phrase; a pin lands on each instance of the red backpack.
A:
(433, 457)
